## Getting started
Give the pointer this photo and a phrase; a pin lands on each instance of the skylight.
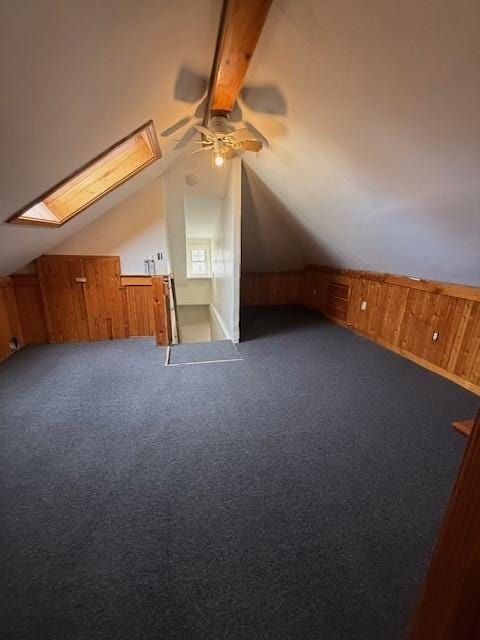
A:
(90, 183)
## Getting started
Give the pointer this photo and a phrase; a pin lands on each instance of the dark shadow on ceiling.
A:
(264, 99)
(273, 239)
(192, 88)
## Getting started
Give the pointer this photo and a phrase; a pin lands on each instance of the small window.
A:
(90, 183)
(198, 260)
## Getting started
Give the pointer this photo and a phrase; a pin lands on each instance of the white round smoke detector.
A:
(191, 179)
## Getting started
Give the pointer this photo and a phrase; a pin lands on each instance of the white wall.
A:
(180, 198)
(226, 256)
(210, 183)
(377, 152)
(196, 291)
(375, 156)
(201, 215)
(134, 229)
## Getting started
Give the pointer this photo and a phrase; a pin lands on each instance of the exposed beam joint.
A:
(241, 24)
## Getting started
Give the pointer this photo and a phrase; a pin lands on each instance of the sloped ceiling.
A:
(377, 158)
(375, 161)
(75, 78)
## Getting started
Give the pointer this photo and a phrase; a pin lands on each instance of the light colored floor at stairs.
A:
(194, 321)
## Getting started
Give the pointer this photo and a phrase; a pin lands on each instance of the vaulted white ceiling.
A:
(78, 76)
(375, 161)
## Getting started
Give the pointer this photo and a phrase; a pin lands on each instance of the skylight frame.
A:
(148, 129)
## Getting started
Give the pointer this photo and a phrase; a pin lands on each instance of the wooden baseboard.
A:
(431, 367)
(465, 427)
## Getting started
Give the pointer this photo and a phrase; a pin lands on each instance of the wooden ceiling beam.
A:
(240, 27)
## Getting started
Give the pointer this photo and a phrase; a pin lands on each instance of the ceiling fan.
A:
(224, 140)
(240, 26)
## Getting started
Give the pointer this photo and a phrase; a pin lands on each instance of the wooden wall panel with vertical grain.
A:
(63, 298)
(401, 313)
(10, 324)
(270, 288)
(139, 305)
(448, 608)
(161, 310)
(103, 297)
(30, 308)
(51, 305)
(81, 297)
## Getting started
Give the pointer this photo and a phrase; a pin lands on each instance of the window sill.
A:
(199, 277)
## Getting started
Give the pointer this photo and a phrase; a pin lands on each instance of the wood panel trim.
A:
(465, 427)
(30, 308)
(76, 256)
(448, 607)
(136, 281)
(10, 324)
(161, 311)
(464, 291)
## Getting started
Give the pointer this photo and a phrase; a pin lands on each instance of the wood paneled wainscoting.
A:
(30, 308)
(258, 289)
(138, 305)
(147, 307)
(11, 332)
(81, 298)
(435, 324)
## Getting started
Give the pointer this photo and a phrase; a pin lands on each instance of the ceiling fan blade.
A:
(200, 109)
(252, 145)
(229, 154)
(200, 149)
(185, 139)
(256, 134)
(204, 131)
(240, 135)
(175, 127)
(189, 86)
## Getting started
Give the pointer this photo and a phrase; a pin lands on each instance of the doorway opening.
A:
(204, 232)
(195, 315)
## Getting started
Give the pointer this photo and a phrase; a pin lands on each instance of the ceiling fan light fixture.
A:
(219, 160)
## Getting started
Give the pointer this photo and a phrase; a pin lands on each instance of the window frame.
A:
(204, 245)
(148, 128)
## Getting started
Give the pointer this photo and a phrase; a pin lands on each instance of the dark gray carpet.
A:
(203, 352)
(293, 495)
